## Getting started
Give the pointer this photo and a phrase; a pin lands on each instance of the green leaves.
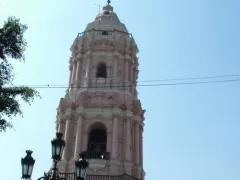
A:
(12, 45)
(12, 42)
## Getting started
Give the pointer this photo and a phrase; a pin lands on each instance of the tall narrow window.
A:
(101, 71)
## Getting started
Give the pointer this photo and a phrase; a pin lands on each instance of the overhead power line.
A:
(172, 79)
(143, 85)
(193, 78)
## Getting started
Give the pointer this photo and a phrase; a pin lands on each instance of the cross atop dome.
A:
(108, 1)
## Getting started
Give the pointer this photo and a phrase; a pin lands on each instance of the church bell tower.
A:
(101, 115)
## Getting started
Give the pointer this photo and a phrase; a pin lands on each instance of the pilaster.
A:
(78, 76)
(89, 65)
(67, 136)
(115, 138)
(74, 71)
(70, 76)
(85, 140)
(137, 143)
(128, 140)
(126, 70)
(78, 143)
(109, 142)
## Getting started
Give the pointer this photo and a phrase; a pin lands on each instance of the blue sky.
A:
(191, 131)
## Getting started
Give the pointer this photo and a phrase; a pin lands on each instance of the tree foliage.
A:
(12, 45)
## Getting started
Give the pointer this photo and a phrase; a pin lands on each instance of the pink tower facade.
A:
(101, 114)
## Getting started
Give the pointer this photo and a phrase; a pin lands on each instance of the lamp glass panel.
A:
(53, 150)
(30, 168)
(83, 172)
(25, 169)
(58, 150)
(61, 150)
(77, 171)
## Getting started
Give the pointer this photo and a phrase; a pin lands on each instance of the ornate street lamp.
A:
(27, 165)
(58, 145)
(57, 149)
(81, 167)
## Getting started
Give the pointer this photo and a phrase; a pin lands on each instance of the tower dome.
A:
(107, 20)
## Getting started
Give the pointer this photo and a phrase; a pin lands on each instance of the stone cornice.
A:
(114, 46)
(61, 120)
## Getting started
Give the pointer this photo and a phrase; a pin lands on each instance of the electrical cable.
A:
(193, 78)
(140, 85)
(158, 80)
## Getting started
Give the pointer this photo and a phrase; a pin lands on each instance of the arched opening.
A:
(101, 71)
(97, 142)
(106, 13)
(104, 33)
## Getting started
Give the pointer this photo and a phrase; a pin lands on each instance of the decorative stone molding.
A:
(102, 57)
(116, 115)
(136, 119)
(83, 72)
(88, 56)
(79, 57)
(74, 60)
(84, 62)
(142, 114)
(90, 123)
(80, 113)
(120, 70)
(116, 55)
(61, 120)
(69, 117)
(92, 116)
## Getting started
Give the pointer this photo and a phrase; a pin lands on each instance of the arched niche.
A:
(101, 70)
(97, 141)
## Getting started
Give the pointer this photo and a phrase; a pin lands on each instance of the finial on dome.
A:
(108, 7)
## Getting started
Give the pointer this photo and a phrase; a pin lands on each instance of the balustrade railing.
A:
(106, 33)
(71, 176)
(96, 32)
(100, 83)
(97, 155)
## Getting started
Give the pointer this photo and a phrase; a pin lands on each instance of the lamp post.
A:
(58, 145)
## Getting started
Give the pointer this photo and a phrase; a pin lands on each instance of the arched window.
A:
(101, 71)
(97, 142)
